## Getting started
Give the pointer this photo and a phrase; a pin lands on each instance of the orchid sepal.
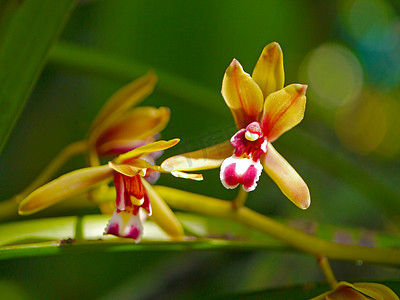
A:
(359, 291)
(242, 94)
(286, 177)
(135, 128)
(283, 110)
(207, 158)
(268, 72)
(146, 149)
(122, 100)
(68, 185)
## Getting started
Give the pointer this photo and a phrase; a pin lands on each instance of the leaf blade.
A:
(23, 51)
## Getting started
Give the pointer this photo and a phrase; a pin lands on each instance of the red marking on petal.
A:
(122, 197)
(134, 186)
(112, 229)
(254, 128)
(146, 205)
(125, 224)
(246, 148)
(230, 175)
(134, 233)
(249, 177)
(237, 170)
(135, 210)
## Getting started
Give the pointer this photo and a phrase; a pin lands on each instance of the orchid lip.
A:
(237, 170)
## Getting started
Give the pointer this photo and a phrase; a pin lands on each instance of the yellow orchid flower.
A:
(118, 128)
(359, 291)
(134, 198)
(263, 110)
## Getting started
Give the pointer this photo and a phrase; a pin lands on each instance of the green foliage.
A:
(28, 29)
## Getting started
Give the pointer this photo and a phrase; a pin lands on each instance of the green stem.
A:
(292, 237)
(240, 199)
(68, 152)
(79, 236)
(327, 270)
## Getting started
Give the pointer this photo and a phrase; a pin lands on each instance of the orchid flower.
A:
(263, 110)
(359, 291)
(118, 129)
(135, 197)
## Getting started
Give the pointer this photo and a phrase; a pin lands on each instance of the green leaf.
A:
(53, 236)
(28, 29)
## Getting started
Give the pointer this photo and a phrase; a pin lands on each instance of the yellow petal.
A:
(162, 214)
(139, 124)
(179, 174)
(375, 290)
(283, 110)
(341, 293)
(207, 158)
(242, 95)
(135, 166)
(359, 291)
(146, 149)
(66, 186)
(121, 101)
(268, 72)
(287, 179)
(116, 147)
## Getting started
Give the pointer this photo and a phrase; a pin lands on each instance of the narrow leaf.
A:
(30, 27)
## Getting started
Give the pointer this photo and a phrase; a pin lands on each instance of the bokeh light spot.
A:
(334, 75)
(362, 126)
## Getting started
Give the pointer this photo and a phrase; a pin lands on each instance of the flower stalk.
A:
(290, 236)
(240, 199)
(327, 270)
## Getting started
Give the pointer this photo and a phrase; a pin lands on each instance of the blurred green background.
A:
(346, 149)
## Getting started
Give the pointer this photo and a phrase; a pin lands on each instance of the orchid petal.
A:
(125, 224)
(359, 291)
(139, 124)
(283, 110)
(117, 147)
(287, 179)
(66, 186)
(268, 72)
(207, 158)
(375, 290)
(237, 170)
(341, 293)
(197, 177)
(242, 95)
(135, 166)
(122, 100)
(163, 215)
(143, 150)
(123, 198)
